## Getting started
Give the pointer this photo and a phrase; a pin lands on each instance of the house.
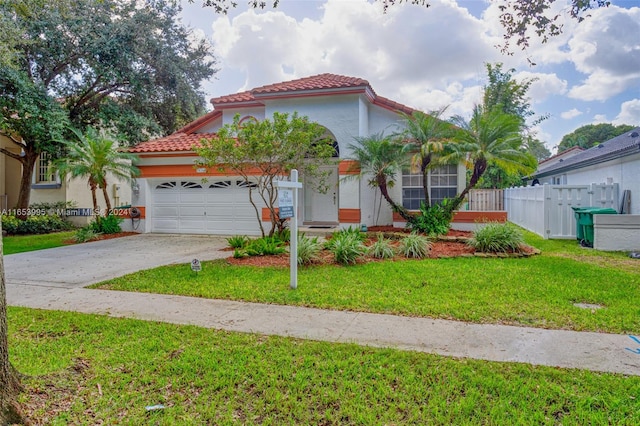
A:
(614, 161)
(558, 158)
(47, 187)
(174, 196)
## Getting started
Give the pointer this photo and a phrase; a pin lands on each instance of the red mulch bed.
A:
(105, 237)
(439, 249)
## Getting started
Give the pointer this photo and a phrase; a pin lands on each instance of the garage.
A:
(190, 206)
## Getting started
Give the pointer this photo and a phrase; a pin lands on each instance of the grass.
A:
(23, 243)
(87, 369)
(539, 291)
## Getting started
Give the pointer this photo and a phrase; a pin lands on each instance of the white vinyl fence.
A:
(485, 200)
(547, 209)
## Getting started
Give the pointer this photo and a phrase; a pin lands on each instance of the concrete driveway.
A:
(80, 265)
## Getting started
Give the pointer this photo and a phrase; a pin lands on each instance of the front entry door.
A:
(321, 207)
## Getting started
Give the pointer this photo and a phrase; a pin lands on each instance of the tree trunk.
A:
(479, 167)
(424, 169)
(9, 381)
(106, 199)
(28, 164)
(382, 184)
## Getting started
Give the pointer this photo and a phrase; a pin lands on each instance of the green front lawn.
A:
(88, 369)
(539, 291)
(22, 243)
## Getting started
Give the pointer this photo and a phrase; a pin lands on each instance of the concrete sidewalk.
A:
(583, 350)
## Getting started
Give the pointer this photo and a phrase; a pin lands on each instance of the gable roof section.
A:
(175, 142)
(626, 144)
(317, 85)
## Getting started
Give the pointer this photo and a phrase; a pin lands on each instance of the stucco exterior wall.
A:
(339, 114)
(616, 232)
(10, 172)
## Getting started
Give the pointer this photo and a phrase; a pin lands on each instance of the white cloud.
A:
(409, 47)
(629, 113)
(600, 118)
(543, 86)
(572, 113)
(606, 47)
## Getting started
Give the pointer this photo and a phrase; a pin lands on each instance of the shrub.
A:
(85, 234)
(308, 249)
(497, 238)
(346, 247)
(415, 246)
(283, 235)
(381, 248)
(264, 246)
(354, 233)
(41, 224)
(433, 220)
(107, 225)
(238, 241)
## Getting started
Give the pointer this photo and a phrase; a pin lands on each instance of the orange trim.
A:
(468, 216)
(177, 170)
(127, 215)
(348, 167)
(266, 214)
(349, 215)
(398, 218)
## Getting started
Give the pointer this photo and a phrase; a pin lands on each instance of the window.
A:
(221, 184)
(44, 173)
(443, 183)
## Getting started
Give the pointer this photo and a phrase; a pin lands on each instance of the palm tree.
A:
(94, 156)
(381, 157)
(428, 137)
(489, 137)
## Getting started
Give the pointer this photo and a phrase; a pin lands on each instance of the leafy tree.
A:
(381, 157)
(262, 152)
(489, 137)
(505, 93)
(32, 120)
(427, 136)
(518, 17)
(592, 135)
(124, 65)
(95, 156)
(537, 148)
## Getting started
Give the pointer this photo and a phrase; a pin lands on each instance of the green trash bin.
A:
(580, 221)
(588, 222)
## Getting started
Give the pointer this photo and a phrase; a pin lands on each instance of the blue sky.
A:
(428, 58)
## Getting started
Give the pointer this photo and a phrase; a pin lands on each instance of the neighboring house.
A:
(552, 161)
(10, 171)
(174, 196)
(47, 187)
(614, 161)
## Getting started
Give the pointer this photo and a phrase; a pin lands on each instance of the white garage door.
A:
(190, 207)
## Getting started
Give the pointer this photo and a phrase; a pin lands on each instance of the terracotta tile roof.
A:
(392, 105)
(175, 142)
(321, 84)
(317, 84)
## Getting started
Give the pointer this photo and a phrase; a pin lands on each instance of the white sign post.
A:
(288, 208)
